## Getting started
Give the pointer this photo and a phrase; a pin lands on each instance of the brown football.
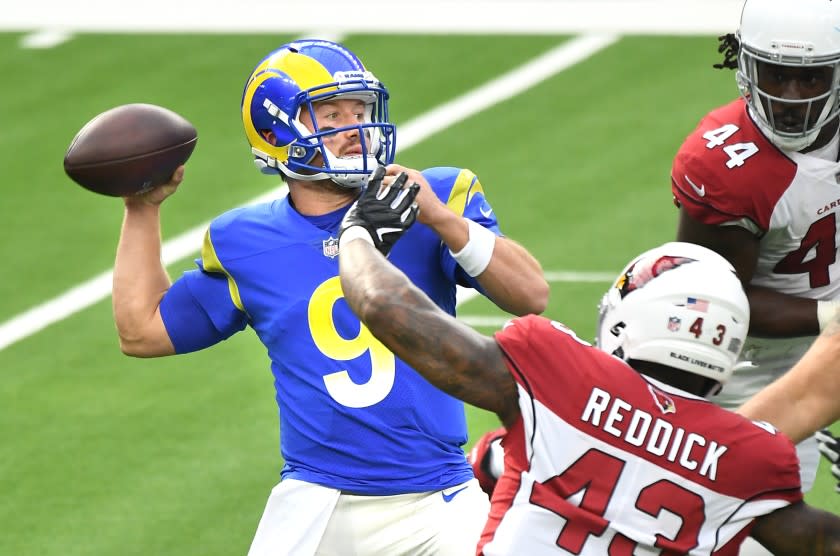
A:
(129, 149)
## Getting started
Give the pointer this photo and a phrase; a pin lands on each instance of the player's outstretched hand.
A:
(385, 213)
(829, 446)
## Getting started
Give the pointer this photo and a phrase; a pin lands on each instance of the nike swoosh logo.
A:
(448, 497)
(701, 191)
(486, 214)
(382, 231)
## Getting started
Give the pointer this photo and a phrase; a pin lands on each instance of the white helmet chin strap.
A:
(784, 142)
(357, 162)
(270, 165)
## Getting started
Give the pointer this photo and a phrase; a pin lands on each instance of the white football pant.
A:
(303, 519)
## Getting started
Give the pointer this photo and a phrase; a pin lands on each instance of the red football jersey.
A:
(727, 171)
(604, 460)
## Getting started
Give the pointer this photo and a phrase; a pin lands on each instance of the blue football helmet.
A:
(293, 78)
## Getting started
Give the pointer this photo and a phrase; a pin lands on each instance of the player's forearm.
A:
(449, 226)
(799, 529)
(451, 355)
(139, 280)
(805, 399)
(393, 309)
(777, 315)
(514, 279)
(781, 407)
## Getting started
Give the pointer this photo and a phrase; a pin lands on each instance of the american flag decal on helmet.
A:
(697, 304)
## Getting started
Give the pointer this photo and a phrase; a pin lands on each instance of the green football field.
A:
(102, 454)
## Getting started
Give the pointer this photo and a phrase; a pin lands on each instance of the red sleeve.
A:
(727, 170)
(766, 466)
(551, 362)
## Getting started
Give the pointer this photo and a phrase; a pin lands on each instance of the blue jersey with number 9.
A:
(353, 416)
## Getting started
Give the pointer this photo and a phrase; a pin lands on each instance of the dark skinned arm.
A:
(449, 354)
(772, 314)
(798, 529)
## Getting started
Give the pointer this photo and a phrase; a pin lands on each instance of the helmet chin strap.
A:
(343, 179)
(358, 163)
(790, 144)
(784, 142)
(360, 166)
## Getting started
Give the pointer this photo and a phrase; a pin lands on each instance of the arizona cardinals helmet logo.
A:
(646, 270)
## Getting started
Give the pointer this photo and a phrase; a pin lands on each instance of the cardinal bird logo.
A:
(645, 270)
(662, 400)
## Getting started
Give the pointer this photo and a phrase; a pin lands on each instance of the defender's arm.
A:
(798, 529)
(448, 353)
(772, 314)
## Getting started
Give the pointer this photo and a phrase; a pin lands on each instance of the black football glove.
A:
(384, 213)
(829, 446)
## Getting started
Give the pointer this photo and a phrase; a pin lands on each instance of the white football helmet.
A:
(790, 33)
(679, 305)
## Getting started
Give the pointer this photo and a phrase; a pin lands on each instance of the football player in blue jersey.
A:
(373, 453)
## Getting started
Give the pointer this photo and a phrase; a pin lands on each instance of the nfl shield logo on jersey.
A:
(674, 324)
(331, 247)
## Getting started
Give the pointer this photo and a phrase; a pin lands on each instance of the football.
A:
(129, 149)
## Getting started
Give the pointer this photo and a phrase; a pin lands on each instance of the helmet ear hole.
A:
(269, 136)
(618, 332)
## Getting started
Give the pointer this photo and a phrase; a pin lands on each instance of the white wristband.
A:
(827, 311)
(354, 232)
(476, 254)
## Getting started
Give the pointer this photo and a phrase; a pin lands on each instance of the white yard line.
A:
(465, 294)
(424, 126)
(50, 38)
(572, 276)
(45, 38)
(483, 321)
